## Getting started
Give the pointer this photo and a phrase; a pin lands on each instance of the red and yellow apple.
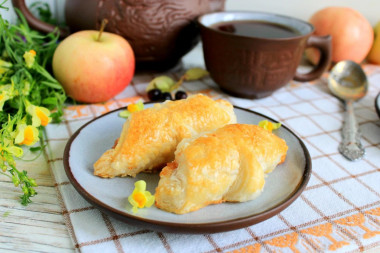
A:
(352, 34)
(93, 68)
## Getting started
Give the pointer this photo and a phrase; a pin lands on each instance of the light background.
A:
(302, 9)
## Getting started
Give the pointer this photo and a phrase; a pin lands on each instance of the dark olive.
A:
(154, 95)
(166, 96)
(180, 95)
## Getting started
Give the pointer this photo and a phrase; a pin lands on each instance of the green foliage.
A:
(27, 90)
(43, 12)
(2, 5)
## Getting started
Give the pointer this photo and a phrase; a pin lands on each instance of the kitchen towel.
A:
(339, 211)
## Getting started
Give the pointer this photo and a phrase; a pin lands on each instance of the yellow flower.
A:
(140, 198)
(267, 125)
(43, 115)
(6, 92)
(40, 115)
(136, 107)
(16, 151)
(4, 67)
(26, 135)
(29, 58)
(139, 106)
(3, 97)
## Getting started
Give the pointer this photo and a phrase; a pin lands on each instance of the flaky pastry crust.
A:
(227, 164)
(150, 137)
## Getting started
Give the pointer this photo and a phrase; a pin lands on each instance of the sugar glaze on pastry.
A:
(149, 137)
(227, 164)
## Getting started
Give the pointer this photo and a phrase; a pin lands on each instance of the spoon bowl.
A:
(348, 82)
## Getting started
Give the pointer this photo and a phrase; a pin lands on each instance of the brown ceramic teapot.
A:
(160, 31)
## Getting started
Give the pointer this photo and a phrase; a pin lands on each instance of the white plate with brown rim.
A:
(282, 187)
(377, 104)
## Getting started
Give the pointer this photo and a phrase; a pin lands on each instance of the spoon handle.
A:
(351, 147)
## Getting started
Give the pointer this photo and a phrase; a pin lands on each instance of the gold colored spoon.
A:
(348, 82)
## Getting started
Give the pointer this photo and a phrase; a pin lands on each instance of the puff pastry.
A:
(150, 137)
(227, 164)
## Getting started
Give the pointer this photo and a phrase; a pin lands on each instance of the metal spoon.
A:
(348, 82)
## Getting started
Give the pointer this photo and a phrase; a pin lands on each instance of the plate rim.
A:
(377, 102)
(164, 226)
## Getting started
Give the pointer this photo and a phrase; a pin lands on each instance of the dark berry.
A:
(166, 96)
(180, 95)
(154, 95)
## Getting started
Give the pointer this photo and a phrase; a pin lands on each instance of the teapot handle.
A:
(34, 22)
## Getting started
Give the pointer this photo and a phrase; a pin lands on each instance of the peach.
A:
(352, 34)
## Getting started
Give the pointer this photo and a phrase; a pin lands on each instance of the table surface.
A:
(40, 226)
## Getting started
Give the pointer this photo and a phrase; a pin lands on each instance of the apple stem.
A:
(102, 27)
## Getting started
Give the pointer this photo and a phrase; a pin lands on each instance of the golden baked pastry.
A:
(149, 137)
(227, 164)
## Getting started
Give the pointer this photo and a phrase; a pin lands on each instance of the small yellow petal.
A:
(132, 108)
(29, 58)
(4, 66)
(140, 185)
(28, 136)
(43, 117)
(276, 126)
(267, 125)
(140, 105)
(16, 151)
(150, 200)
(140, 198)
(270, 126)
(125, 114)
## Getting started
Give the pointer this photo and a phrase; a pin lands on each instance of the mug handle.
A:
(323, 44)
(34, 22)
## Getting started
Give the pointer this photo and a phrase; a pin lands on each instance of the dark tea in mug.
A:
(258, 29)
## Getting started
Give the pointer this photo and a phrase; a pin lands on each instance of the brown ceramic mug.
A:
(255, 65)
